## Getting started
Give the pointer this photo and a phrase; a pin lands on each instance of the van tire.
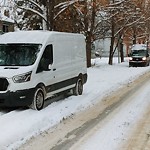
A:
(38, 100)
(78, 89)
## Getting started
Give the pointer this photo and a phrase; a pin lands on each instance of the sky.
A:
(19, 125)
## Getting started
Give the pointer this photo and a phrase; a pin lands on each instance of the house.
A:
(6, 24)
(102, 46)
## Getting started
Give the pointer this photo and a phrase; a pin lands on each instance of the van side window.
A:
(46, 59)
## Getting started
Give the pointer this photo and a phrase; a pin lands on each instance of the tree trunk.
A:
(134, 35)
(87, 35)
(111, 44)
(50, 14)
(89, 38)
(121, 52)
(88, 50)
(52, 4)
(110, 54)
(44, 22)
(120, 47)
(112, 40)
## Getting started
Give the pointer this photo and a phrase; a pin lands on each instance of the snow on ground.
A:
(115, 130)
(19, 125)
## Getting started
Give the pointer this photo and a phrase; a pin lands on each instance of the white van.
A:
(36, 65)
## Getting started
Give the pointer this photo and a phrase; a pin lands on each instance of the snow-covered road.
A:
(17, 126)
(115, 130)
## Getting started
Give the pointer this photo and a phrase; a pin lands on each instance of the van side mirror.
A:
(147, 55)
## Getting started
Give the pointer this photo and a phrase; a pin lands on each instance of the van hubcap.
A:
(39, 99)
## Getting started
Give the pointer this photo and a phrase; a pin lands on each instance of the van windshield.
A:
(139, 52)
(18, 54)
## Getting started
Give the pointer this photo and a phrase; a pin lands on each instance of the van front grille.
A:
(137, 59)
(2, 101)
(3, 84)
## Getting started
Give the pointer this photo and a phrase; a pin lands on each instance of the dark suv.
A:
(139, 55)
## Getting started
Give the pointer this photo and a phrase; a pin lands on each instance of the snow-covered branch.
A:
(34, 11)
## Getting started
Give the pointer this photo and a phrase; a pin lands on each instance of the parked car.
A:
(36, 65)
(139, 56)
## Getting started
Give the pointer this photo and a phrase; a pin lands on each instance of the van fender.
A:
(83, 77)
(80, 76)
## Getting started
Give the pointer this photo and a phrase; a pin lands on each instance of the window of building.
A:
(5, 28)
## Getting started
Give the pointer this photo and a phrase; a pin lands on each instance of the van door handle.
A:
(54, 69)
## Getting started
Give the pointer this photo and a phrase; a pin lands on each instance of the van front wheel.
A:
(38, 101)
(78, 89)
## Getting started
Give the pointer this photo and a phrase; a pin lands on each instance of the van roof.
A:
(139, 47)
(24, 37)
(34, 36)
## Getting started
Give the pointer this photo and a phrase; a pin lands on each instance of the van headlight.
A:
(144, 58)
(130, 58)
(22, 77)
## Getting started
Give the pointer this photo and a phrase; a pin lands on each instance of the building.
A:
(6, 24)
(102, 46)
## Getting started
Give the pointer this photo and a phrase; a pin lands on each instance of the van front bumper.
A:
(17, 98)
(138, 63)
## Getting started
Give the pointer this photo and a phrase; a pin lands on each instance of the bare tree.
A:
(124, 17)
(96, 19)
(79, 16)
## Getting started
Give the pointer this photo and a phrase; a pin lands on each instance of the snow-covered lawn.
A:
(19, 125)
